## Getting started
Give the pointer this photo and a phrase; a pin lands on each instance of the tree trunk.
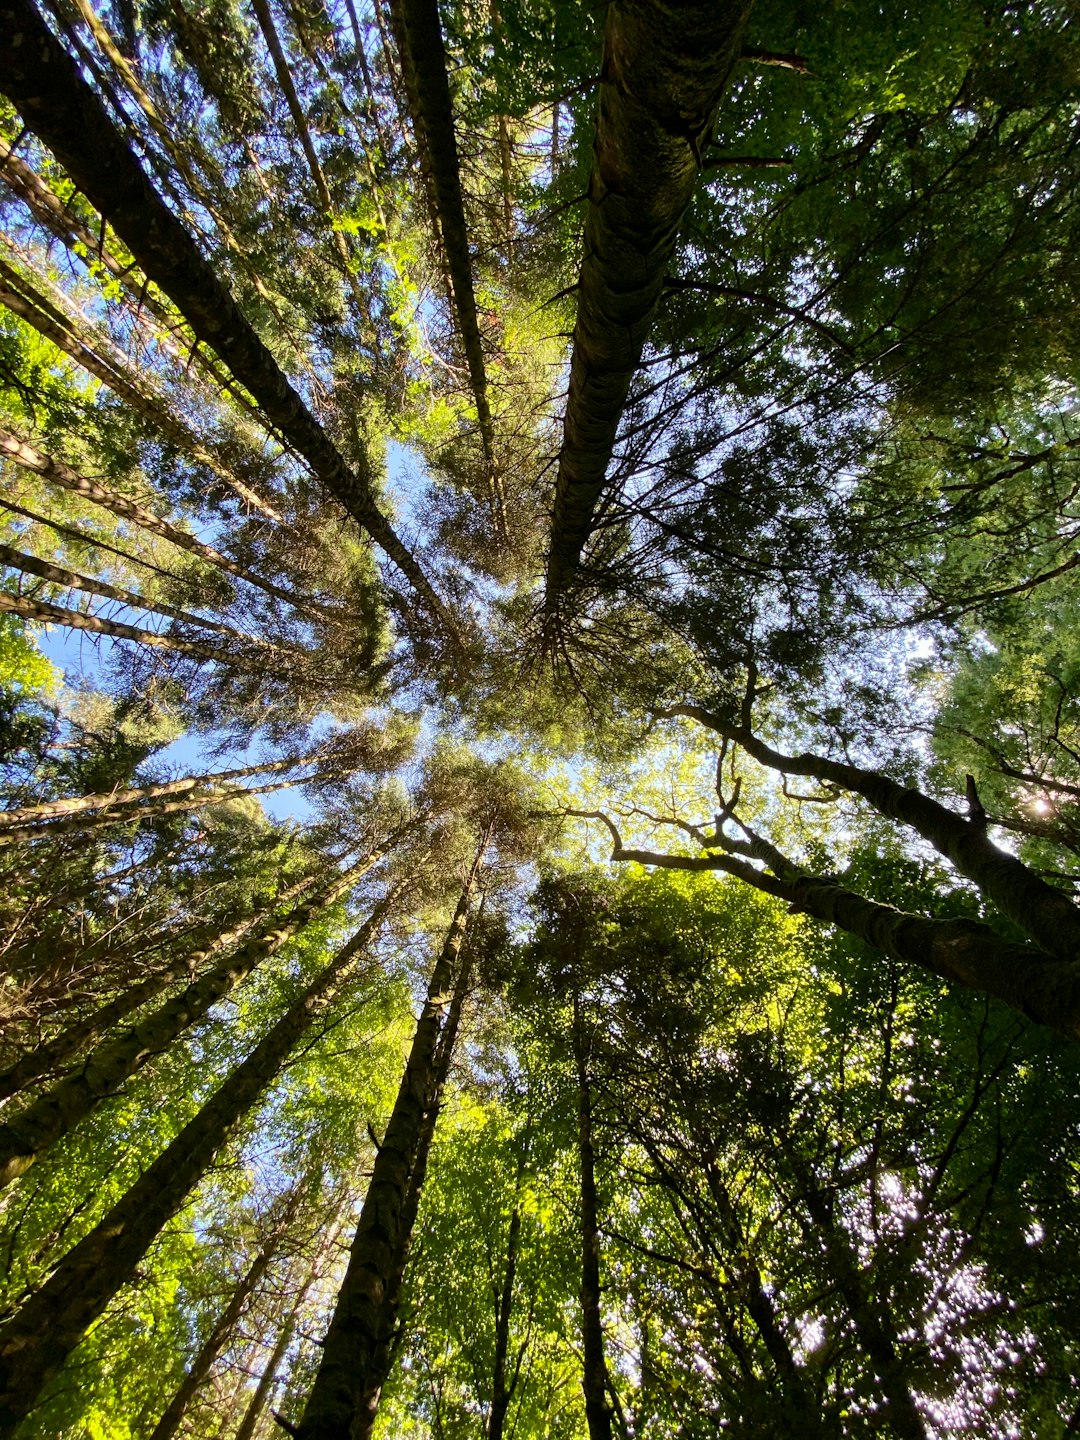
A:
(44, 84)
(225, 1324)
(40, 1336)
(18, 295)
(77, 1036)
(1046, 914)
(49, 809)
(502, 1390)
(594, 1379)
(423, 66)
(385, 1349)
(25, 1138)
(663, 74)
(19, 449)
(59, 575)
(82, 824)
(350, 1346)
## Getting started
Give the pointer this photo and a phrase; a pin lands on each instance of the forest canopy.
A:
(539, 733)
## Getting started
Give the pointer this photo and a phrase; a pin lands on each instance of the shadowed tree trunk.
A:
(225, 1324)
(37, 1340)
(17, 448)
(25, 1138)
(663, 74)
(83, 1032)
(502, 1386)
(351, 1343)
(44, 84)
(385, 1349)
(594, 1378)
(96, 355)
(419, 39)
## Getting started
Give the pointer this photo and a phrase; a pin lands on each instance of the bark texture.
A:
(594, 1379)
(664, 71)
(44, 84)
(40, 1336)
(422, 54)
(351, 1343)
(26, 1137)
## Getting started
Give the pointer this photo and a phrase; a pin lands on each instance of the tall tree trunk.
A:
(18, 448)
(138, 794)
(385, 1349)
(48, 1057)
(26, 1137)
(502, 1388)
(225, 1324)
(81, 824)
(60, 220)
(46, 87)
(663, 74)
(90, 585)
(1046, 914)
(38, 1339)
(594, 1378)
(93, 354)
(423, 66)
(350, 1346)
(46, 613)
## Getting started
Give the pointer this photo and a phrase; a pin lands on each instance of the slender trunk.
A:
(663, 74)
(502, 1390)
(264, 16)
(45, 85)
(1046, 914)
(59, 575)
(385, 1349)
(104, 800)
(71, 1041)
(871, 1318)
(18, 295)
(19, 449)
(594, 1379)
(38, 1339)
(224, 1326)
(423, 65)
(60, 220)
(26, 1137)
(253, 1414)
(350, 1346)
(83, 824)
(46, 613)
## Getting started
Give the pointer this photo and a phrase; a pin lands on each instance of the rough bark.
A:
(663, 74)
(1046, 914)
(139, 794)
(594, 1377)
(82, 824)
(92, 352)
(40, 1336)
(90, 585)
(26, 1137)
(350, 1346)
(24, 453)
(74, 1038)
(422, 55)
(225, 1324)
(385, 1350)
(44, 84)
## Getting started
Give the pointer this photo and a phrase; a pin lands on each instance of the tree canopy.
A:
(539, 720)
